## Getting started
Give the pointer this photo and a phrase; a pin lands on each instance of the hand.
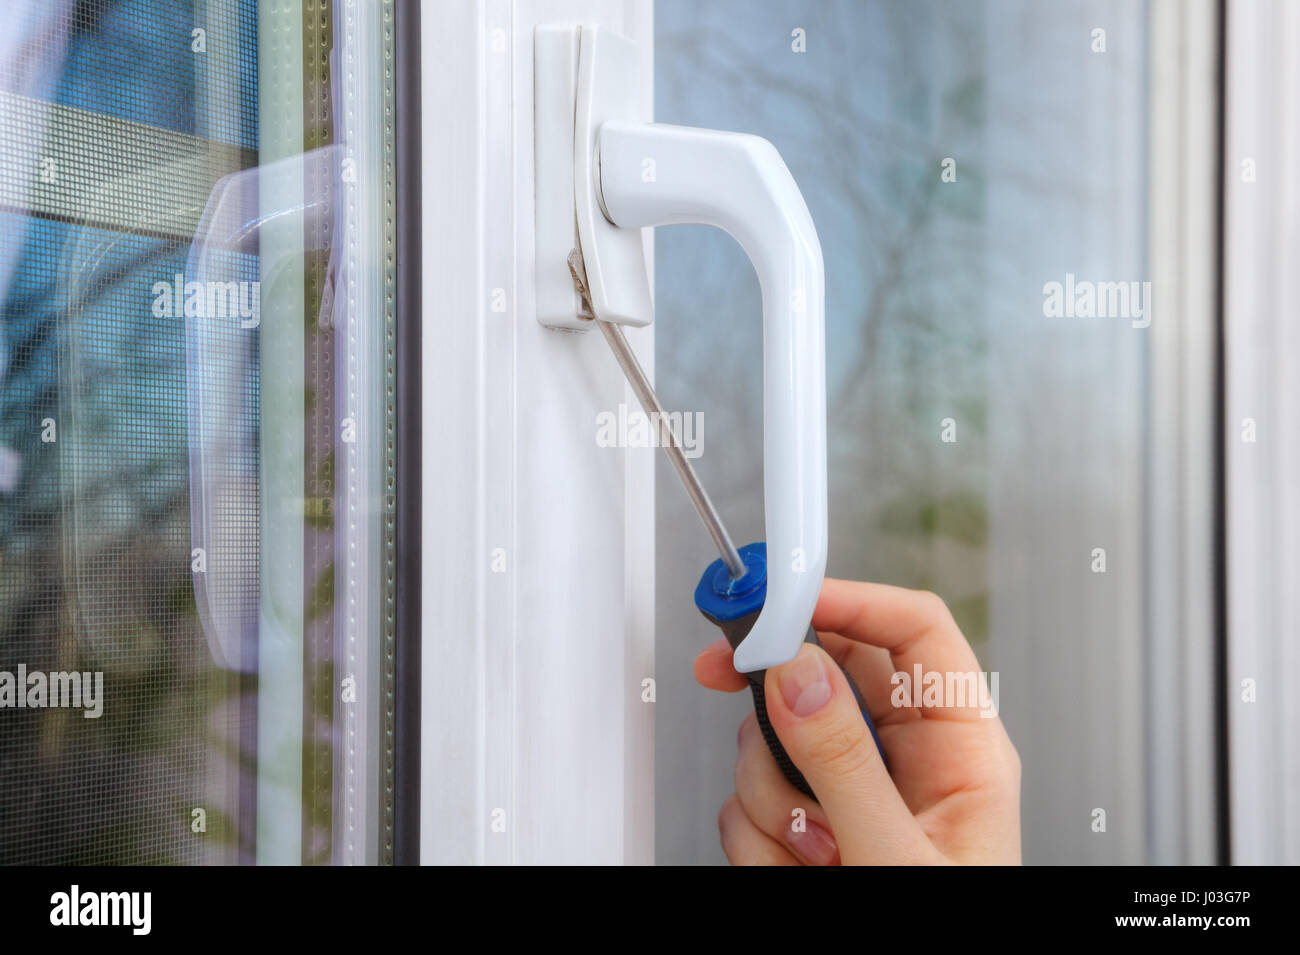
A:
(951, 793)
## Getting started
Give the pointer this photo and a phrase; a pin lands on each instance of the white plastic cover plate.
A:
(608, 89)
(555, 93)
(583, 77)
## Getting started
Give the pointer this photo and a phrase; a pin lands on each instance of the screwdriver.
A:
(733, 588)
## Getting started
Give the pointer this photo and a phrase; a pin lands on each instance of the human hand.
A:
(951, 793)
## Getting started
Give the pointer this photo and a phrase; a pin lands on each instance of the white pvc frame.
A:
(1262, 339)
(1180, 740)
(537, 544)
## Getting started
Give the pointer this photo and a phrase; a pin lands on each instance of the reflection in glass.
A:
(191, 346)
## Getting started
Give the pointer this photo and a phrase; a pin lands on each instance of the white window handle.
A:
(605, 175)
(740, 184)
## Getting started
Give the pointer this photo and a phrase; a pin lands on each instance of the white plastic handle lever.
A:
(650, 175)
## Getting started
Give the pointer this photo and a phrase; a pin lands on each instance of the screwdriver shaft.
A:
(636, 377)
(645, 393)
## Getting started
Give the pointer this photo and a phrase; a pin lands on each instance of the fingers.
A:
(962, 781)
(814, 713)
(714, 669)
(910, 627)
(916, 629)
(873, 671)
(779, 810)
(744, 843)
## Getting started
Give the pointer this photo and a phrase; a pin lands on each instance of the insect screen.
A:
(192, 253)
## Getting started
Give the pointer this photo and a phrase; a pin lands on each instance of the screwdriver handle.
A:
(734, 607)
(735, 631)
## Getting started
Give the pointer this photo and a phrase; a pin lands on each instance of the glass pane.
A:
(196, 276)
(956, 157)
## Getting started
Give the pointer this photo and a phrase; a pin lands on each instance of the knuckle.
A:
(729, 805)
(1013, 762)
(730, 835)
(933, 607)
(1002, 769)
(841, 750)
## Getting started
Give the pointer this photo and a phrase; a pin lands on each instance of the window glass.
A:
(956, 158)
(196, 286)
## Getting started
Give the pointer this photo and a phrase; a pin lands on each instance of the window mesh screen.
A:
(197, 371)
(116, 121)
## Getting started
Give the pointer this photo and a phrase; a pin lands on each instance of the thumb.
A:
(818, 721)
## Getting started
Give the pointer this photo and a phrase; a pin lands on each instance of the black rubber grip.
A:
(735, 631)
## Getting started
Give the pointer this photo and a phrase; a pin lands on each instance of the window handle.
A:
(650, 175)
(603, 176)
